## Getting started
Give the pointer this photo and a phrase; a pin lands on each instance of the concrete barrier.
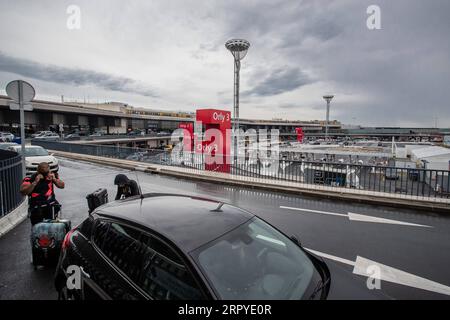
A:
(14, 218)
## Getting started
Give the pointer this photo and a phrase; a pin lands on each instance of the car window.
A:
(99, 236)
(256, 262)
(33, 151)
(165, 277)
(6, 146)
(147, 261)
(123, 247)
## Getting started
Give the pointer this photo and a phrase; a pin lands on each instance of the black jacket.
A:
(131, 189)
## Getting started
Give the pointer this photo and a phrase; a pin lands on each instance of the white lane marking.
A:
(360, 217)
(394, 275)
(364, 218)
(331, 257)
(315, 211)
(389, 274)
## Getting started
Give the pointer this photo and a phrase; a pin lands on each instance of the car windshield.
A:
(34, 151)
(255, 261)
(4, 146)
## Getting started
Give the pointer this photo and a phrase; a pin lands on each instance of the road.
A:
(417, 244)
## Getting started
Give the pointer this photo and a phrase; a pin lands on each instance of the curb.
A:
(14, 218)
(396, 203)
(155, 169)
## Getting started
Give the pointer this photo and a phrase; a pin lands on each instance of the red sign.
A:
(216, 142)
(189, 126)
(188, 135)
(300, 134)
(213, 116)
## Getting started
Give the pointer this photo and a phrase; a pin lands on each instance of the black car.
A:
(391, 174)
(164, 246)
(135, 133)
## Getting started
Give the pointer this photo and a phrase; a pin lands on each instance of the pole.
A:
(22, 128)
(327, 121)
(236, 108)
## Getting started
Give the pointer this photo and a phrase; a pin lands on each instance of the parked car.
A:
(138, 156)
(35, 155)
(49, 137)
(72, 136)
(136, 132)
(96, 134)
(391, 174)
(166, 246)
(40, 133)
(414, 175)
(81, 133)
(6, 137)
(6, 145)
(163, 133)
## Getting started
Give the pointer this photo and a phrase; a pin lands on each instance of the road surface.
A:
(415, 244)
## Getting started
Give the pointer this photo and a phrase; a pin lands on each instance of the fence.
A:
(417, 182)
(10, 180)
(118, 152)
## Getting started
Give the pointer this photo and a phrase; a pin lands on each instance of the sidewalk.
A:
(14, 218)
(354, 195)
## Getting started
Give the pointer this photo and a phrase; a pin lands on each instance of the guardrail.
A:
(10, 180)
(417, 182)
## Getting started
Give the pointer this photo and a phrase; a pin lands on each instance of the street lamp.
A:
(328, 99)
(239, 49)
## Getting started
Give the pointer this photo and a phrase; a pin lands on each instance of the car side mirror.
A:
(295, 240)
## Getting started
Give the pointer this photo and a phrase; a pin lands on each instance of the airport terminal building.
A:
(120, 118)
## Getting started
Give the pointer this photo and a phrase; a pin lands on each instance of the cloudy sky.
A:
(171, 55)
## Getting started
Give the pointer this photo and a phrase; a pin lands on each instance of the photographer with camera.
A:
(40, 191)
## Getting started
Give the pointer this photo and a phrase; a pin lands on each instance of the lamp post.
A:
(239, 49)
(328, 99)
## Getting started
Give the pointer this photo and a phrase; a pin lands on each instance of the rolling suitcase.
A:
(47, 238)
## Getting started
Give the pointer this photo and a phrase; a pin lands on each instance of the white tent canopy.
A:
(430, 152)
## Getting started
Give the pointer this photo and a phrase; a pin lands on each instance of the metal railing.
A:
(417, 182)
(136, 153)
(10, 180)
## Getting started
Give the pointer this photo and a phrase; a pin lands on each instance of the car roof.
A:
(187, 221)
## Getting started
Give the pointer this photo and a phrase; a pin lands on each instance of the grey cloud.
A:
(288, 106)
(70, 76)
(399, 74)
(282, 24)
(280, 81)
